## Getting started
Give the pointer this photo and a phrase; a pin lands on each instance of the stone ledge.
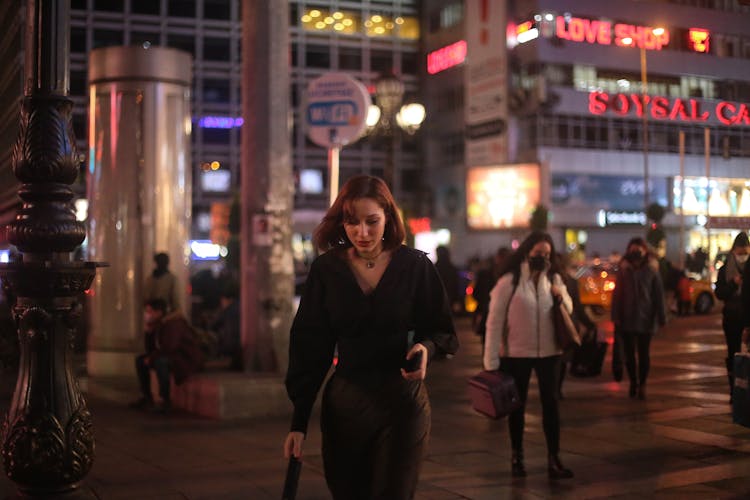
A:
(232, 395)
(218, 395)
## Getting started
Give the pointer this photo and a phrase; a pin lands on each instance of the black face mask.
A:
(538, 263)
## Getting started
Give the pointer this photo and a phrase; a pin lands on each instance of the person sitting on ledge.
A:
(171, 349)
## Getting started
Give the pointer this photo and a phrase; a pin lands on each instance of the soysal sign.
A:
(663, 108)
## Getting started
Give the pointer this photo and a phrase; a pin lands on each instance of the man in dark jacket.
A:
(637, 308)
(171, 350)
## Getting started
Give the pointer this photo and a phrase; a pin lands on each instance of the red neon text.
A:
(579, 29)
(421, 225)
(446, 57)
(698, 39)
(662, 108)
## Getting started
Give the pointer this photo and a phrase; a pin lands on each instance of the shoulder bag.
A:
(566, 332)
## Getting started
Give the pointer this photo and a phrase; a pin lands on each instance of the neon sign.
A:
(594, 31)
(662, 108)
(446, 57)
(219, 122)
(698, 40)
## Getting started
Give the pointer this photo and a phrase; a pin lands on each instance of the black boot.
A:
(516, 464)
(556, 470)
(633, 389)
(730, 377)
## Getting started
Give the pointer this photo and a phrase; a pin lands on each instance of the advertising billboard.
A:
(501, 196)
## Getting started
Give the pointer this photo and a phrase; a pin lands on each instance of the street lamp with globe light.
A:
(390, 115)
(630, 42)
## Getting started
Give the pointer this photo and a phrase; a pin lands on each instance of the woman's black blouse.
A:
(371, 330)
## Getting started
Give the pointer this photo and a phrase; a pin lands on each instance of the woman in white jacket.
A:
(520, 337)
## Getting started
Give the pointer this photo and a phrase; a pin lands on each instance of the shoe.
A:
(642, 392)
(516, 465)
(142, 404)
(633, 390)
(556, 470)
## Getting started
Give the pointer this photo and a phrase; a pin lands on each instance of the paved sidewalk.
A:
(679, 443)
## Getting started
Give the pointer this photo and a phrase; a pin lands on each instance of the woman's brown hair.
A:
(330, 232)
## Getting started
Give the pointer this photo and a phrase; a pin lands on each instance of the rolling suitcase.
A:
(493, 393)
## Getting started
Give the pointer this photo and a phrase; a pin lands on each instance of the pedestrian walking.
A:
(520, 338)
(729, 288)
(383, 305)
(449, 275)
(637, 308)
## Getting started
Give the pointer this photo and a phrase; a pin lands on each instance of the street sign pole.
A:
(333, 173)
(335, 112)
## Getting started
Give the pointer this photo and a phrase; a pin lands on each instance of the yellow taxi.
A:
(596, 282)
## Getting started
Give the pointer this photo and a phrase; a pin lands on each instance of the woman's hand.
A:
(293, 444)
(556, 293)
(421, 373)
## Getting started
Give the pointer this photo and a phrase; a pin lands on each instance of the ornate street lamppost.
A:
(47, 438)
(390, 115)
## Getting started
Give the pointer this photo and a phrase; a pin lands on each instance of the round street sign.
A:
(336, 110)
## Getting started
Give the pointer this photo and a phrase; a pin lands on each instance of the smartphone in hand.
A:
(413, 364)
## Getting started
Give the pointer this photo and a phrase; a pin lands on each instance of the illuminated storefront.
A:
(501, 197)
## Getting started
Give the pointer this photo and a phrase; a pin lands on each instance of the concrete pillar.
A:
(139, 189)
(267, 267)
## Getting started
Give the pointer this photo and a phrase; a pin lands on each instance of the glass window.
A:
(78, 83)
(109, 5)
(152, 7)
(107, 38)
(318, 56)
(78, 40)
(216, 49)
(217, 9)
(294, 58)
(182, 42)
(216, 91)
(181, 8)
(409, 64)
(381, 61)
(350, 58)
(320, 19)
(216, 135)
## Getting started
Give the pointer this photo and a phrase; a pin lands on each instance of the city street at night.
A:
(678, 443)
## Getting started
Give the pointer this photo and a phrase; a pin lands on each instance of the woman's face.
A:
(541, 249)
(741, 253)
(366, 226)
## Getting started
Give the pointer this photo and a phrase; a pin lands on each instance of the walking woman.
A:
(520, 337)
(637, 308)
(382, 304)
(728, 289)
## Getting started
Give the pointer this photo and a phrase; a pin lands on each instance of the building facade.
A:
(585, 79)
(364, 39)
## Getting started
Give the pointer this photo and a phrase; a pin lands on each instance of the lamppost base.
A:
(77, 493)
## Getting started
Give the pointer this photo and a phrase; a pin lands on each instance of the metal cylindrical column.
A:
(139, 188)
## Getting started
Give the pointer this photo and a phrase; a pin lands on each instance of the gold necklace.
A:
(369, 262)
